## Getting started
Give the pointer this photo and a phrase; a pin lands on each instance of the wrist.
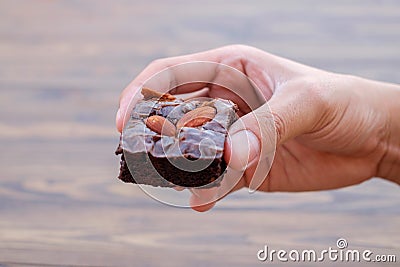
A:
(389, 101)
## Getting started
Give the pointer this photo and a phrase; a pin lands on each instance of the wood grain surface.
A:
(62, 67)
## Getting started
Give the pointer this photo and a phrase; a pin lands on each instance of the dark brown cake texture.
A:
(171, 142)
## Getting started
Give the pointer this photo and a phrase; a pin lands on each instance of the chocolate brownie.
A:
(171, 142)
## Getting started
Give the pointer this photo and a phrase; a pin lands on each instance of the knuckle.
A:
(236, 49)
(158, 62)
(321, 95)
(239, 47)
(280, 126)
(318, 92)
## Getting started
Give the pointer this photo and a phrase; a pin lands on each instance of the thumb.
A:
(251, 142)
(253, 139)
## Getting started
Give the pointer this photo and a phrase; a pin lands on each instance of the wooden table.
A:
(62, 67)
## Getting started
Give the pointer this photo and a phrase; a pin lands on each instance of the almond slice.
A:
(196, 117)
(160, 125)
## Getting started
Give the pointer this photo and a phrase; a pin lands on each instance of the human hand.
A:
(332, 130)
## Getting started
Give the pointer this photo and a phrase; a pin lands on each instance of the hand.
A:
(332, 130)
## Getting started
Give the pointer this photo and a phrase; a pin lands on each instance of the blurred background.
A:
(63, 65)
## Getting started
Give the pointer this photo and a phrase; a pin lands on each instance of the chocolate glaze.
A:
(192, 158)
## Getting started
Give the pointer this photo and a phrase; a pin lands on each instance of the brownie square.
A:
(171, 142)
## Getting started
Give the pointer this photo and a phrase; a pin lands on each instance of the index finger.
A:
(222, 68)
(167, 79)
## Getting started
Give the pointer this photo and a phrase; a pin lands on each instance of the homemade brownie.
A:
(171, 142)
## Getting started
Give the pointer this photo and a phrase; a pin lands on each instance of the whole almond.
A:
(152, 94)
(160, 125)
(196, 117)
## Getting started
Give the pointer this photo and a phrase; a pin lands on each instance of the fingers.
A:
(203, 199)
(252, 142)
(222, 70)
(199, 93)
(167, 80)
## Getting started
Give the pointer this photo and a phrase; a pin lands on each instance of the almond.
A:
(152, 94)
(160, 125)
(196, 117)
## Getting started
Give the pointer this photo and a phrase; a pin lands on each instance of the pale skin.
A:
(346, 127)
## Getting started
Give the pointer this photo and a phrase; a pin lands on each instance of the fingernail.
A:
(245, 147)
